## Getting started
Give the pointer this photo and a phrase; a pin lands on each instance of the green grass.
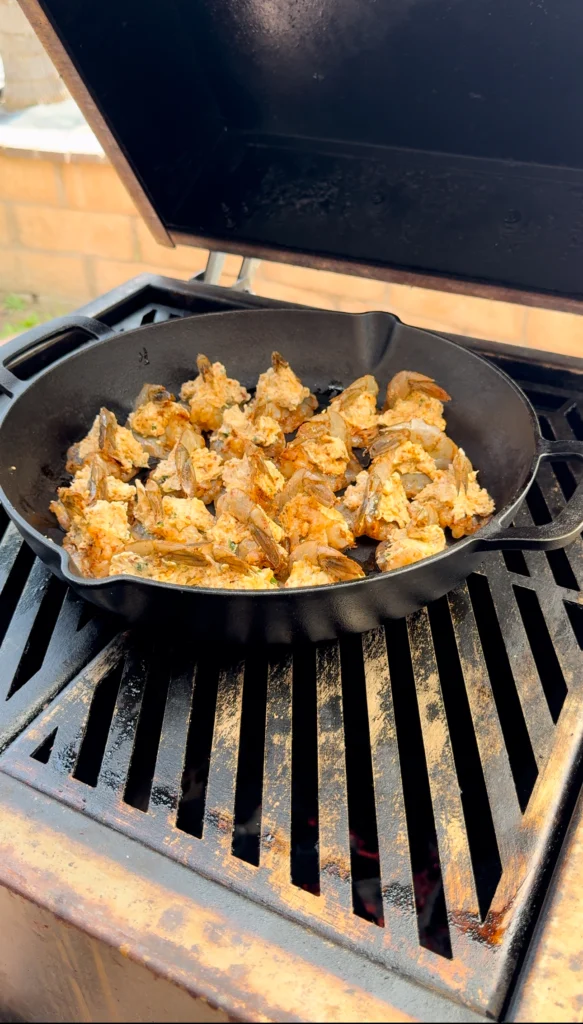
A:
(14, 303)
(18, 326)
(19, 313)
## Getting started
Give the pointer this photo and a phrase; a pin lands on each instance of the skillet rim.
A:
(96, 583)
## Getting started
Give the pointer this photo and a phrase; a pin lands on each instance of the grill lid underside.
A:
(429, 137)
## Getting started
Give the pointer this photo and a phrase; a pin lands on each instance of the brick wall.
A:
(69, 231)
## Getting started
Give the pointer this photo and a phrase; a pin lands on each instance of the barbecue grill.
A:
(366, 829)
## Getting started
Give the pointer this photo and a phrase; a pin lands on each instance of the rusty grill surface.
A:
(399, 792)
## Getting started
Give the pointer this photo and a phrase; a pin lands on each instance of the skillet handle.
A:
(563, 530)
(45, 344)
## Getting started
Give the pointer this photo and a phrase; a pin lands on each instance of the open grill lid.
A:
(435, 138)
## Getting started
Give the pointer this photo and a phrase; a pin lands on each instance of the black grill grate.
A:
(399, 792)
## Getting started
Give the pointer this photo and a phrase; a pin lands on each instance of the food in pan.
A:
(221, 489)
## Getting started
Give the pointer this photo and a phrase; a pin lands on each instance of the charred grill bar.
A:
(401, 795)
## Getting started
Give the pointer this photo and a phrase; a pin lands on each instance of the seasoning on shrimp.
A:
(357, 405)
(322, 445)
(245, 528)
(209, 394)
(256, 476)
(415, 466)
(421, 538)
(457, 498)
(116, 445)
(96, 536)
(157, 420)
(190, 470)
(89, 484)
(384, 504)
(305, 518)
(240, 427)
(314, 564)
(412, 395)
(182, 520)
(281, 395)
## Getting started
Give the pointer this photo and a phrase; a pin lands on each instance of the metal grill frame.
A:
(484, 953)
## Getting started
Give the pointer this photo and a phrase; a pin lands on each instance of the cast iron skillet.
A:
(50, 399)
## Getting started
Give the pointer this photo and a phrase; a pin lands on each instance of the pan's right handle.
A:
(46, 343)
(562, 531)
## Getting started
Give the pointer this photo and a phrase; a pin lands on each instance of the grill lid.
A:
(392, 138)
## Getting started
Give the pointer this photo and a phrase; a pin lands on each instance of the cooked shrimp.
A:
(304, 481)
(457, 498)
(384, 503)
(194, 565)
(116, 445)
(322, 445)
(421, 538)
(416, 467)
(157, 420)
(304, 518)
(180, 520)
(256, 476)
(239, 428)
(413, 396)
(244, 527)
(90, 483)
(97, 535)
(358, 407)
(352, 500)
(209, 394)
(436, 443)
(314, 564)
(190, 469)
(281, 395)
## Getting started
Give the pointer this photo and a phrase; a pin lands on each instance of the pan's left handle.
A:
(562, 531)
(26, 356)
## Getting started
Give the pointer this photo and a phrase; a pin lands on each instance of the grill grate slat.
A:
(167, 782)
(275, 848)
(395, 862)
(334, 847)
(120, 741)
(502, 795)
(482, 691)
(219, 809)
(530, 692)
(454, 850)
